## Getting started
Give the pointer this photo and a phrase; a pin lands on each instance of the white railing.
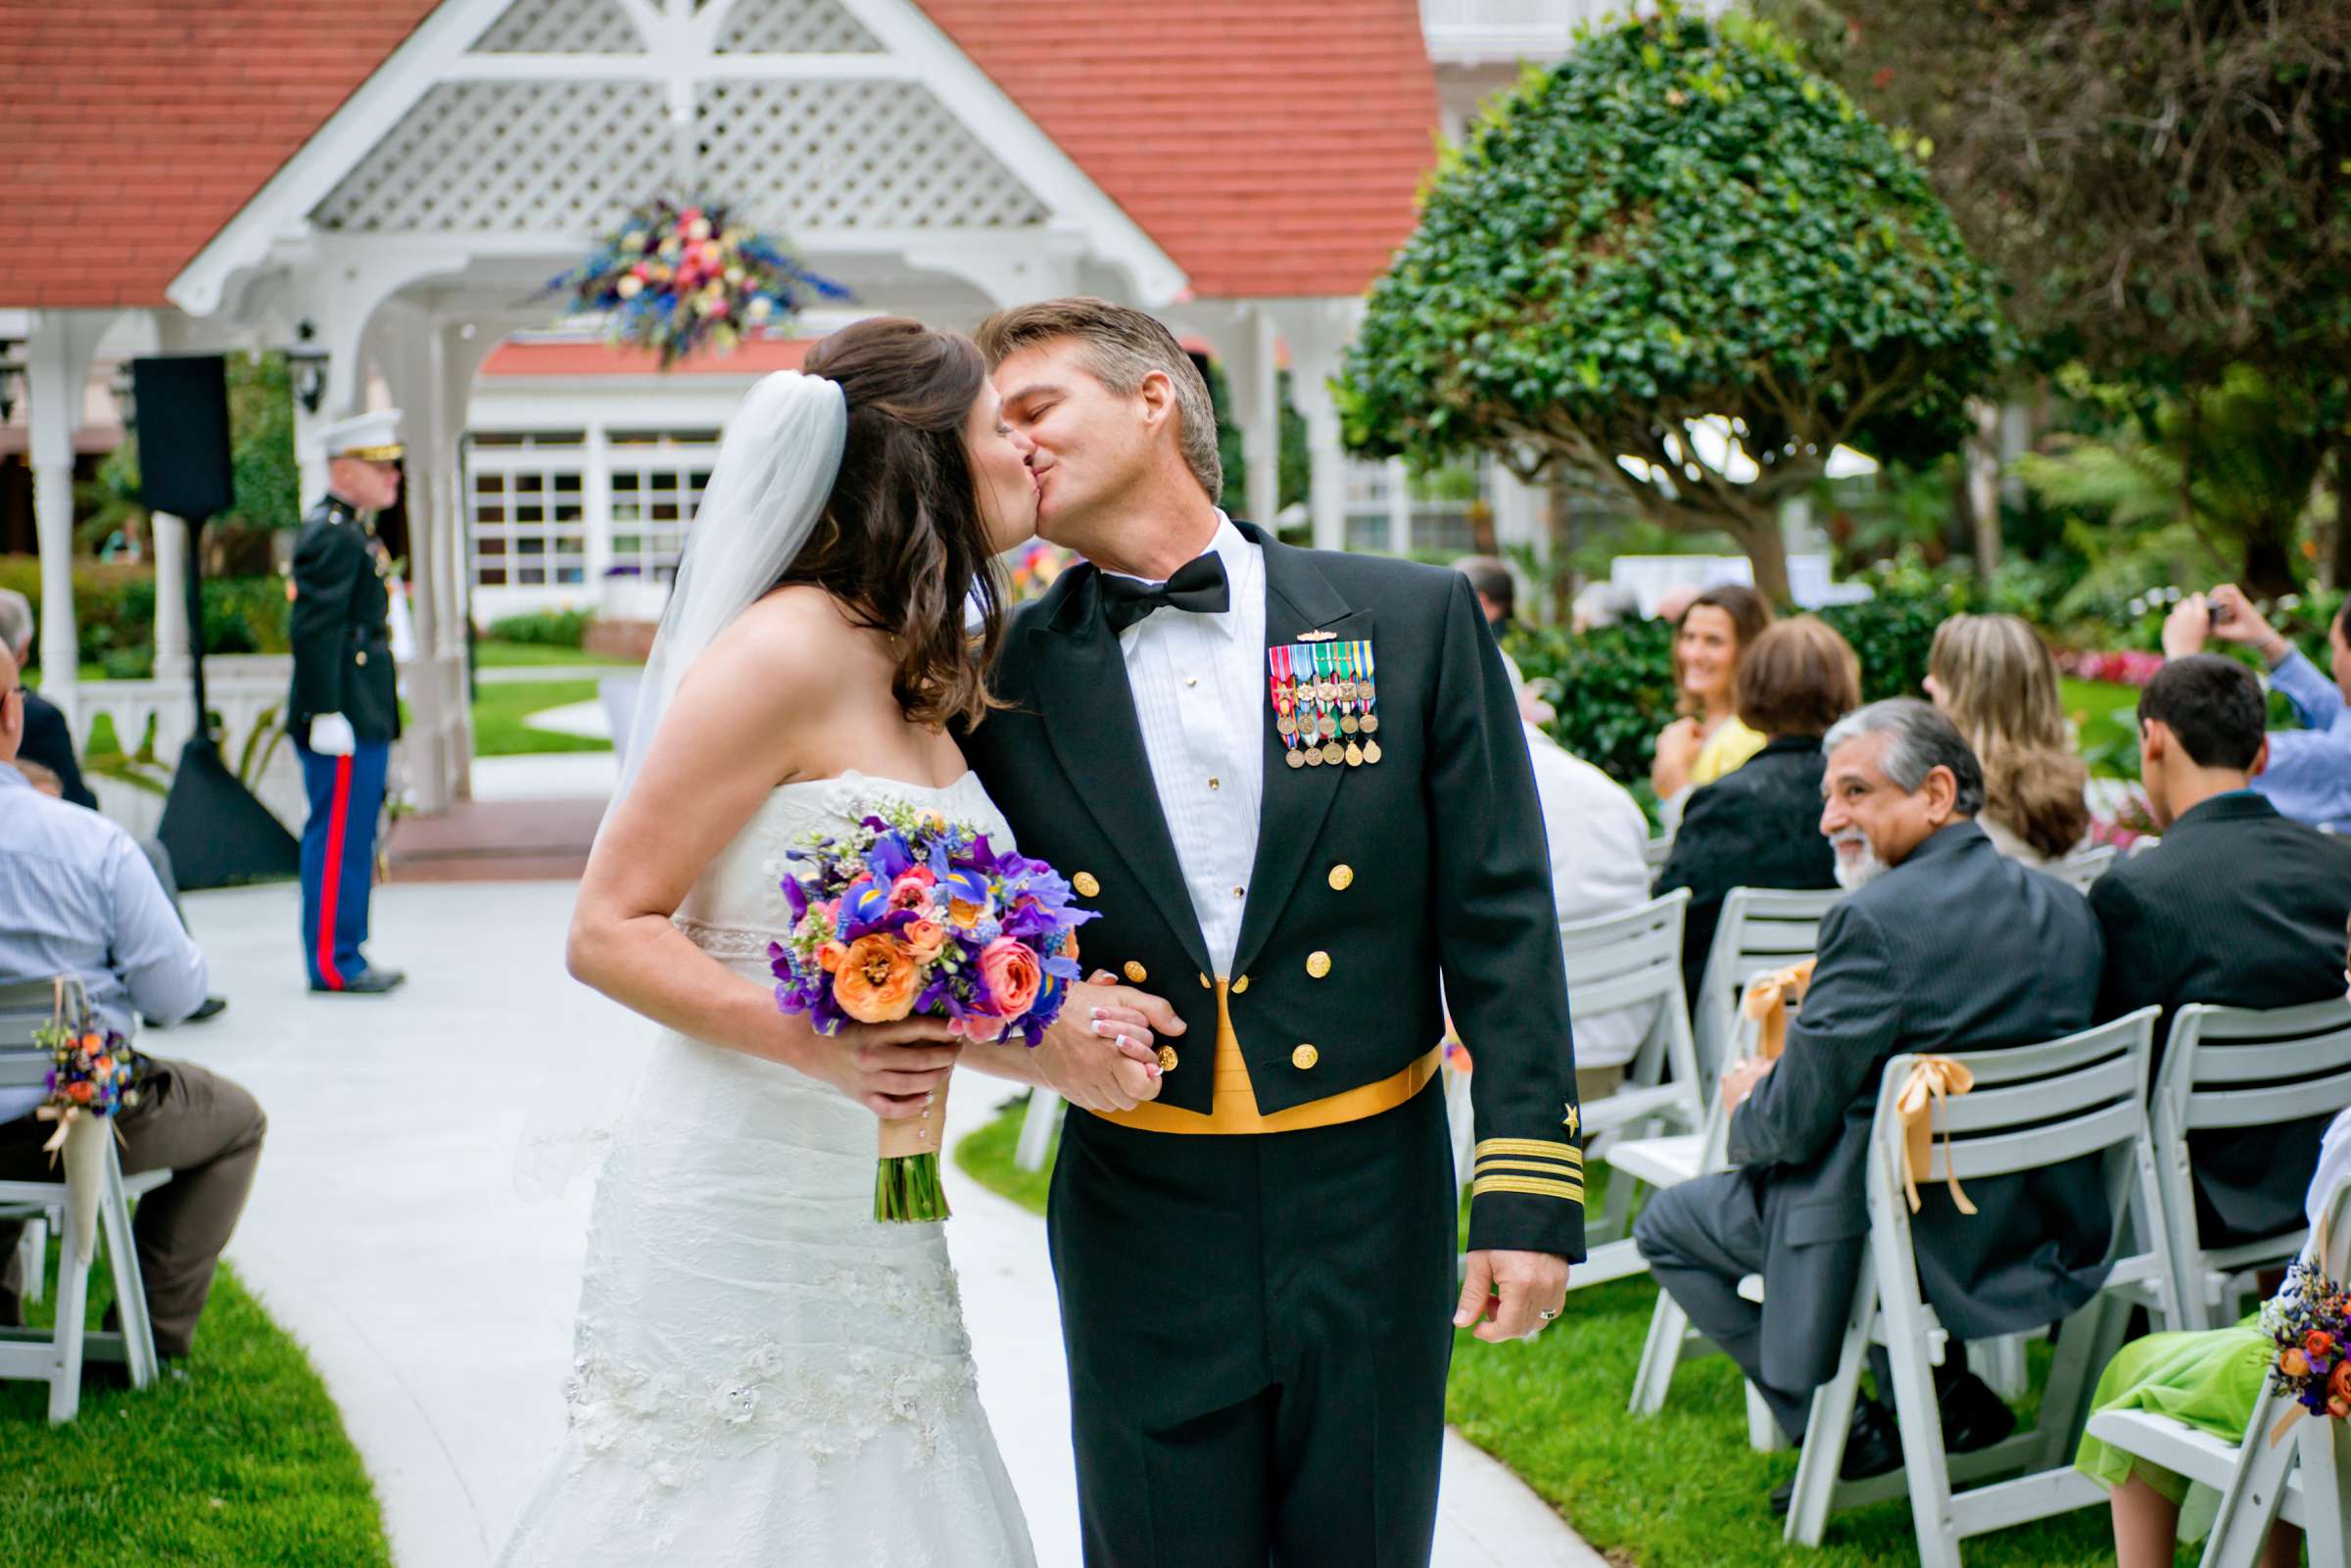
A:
(248, 691)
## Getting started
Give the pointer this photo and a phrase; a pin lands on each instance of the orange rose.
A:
(830, 954)
(2318, 1342)
(1011, 973)
(965, 914)
(2338, 1384)
(876, 980)
(927, 937)
(78, 1091)
(2294, 1364)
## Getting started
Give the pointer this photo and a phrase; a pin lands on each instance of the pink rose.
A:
(911, 891)
(1010, 973)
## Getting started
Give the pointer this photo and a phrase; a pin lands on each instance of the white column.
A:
(1254, 377)
(1327, 460)
(57, 364)
(1317, 332)
(309, 454)
(171, 629)
(1400, 506)
(595, 510)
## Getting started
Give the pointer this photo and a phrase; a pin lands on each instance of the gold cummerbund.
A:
(1233, 1103)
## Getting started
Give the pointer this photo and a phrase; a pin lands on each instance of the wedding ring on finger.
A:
(1548, 1314)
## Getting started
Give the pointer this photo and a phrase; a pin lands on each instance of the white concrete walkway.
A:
(385, 1233)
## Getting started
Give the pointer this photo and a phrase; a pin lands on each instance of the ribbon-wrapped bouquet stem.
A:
(910, 915)
(91, 1079)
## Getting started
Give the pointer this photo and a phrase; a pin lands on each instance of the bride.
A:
(763, 1375)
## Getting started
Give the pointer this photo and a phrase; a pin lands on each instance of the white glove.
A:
(331, 736)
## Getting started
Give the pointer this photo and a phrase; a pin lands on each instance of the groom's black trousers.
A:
(1258, 1330)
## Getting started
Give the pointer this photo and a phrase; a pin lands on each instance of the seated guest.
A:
(48, 741)
(78, 898)
(1944, 946)
(1497, 597)
(1761, 825)
(2211, 1379)
(2237, 906)
(1598, 839)
(1996, 681)
(46, 759)
(2309, 775)
(1709, 740)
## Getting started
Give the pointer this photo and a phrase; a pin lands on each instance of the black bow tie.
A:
(1199, 587)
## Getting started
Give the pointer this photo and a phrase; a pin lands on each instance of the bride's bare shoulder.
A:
(795, 629)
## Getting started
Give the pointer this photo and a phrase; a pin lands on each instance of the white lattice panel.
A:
(794, 28)
(496, 156)
(561, 28)
(853, 155)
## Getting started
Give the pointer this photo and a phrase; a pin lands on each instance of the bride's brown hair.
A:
(902, 544)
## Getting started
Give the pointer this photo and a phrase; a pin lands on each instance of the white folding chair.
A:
(1654, 853)
(1615, 963)
(2033, 1107)
(55, 1355)
(1761, 930)
(2306, 1482)
(1668, 1161)
(2233, 1067)
(2082, 867)
(1039, 1123)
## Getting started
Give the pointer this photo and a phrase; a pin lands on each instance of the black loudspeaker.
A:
(182, 411)
(216, 832)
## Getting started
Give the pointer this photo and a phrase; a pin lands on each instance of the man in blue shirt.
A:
(78, 898)
(2309, 775)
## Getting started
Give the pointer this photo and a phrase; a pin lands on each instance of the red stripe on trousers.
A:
(330, 881)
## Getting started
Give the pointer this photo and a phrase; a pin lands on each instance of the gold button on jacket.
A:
(1342, 878)
(1318, 964)
(1305, 1057)
(1136, 973)
(1167, 1059)
(1240, 985)
(1085, 884)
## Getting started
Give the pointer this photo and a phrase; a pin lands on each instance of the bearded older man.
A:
(1946, 945)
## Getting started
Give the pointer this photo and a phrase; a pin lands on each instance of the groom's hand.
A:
(1101, 1054)
(1518, 1288)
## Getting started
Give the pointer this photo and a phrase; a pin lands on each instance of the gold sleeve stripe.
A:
(1572, 1191)
(1530, 1146)
(1532, 1167)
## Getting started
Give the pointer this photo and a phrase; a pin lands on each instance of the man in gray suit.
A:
(1946, 945)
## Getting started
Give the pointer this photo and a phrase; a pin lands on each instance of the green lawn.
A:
(499, 710)
(243, 1462)
(490, 654)
(1682, 1490)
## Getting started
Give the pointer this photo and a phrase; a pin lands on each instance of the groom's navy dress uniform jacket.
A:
(1257, 1321)
(1431, 860)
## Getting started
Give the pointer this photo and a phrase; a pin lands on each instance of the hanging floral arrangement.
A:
(679, 279)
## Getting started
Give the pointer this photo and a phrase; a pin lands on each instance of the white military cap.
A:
(374, 437)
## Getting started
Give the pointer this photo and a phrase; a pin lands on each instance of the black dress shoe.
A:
(210, 1008)
(374, 980)
(1973, 1417)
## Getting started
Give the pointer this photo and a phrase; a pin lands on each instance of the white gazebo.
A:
(1242, 176)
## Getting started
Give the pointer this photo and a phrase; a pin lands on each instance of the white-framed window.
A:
(658, 478)
(526, 510)
(1441, 500)
(1370, 501)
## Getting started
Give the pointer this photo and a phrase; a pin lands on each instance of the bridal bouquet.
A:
(91, 1079)
(2310, 1321)
(911, 914)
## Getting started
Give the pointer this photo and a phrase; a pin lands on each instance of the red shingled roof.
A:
(1272, 147)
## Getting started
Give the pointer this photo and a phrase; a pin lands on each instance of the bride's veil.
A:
(767, 492)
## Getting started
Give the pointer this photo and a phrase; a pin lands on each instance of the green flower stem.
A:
(908, 1189)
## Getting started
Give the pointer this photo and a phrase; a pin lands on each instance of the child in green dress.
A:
(2208, 1380)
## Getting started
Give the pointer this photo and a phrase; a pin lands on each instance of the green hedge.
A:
(559, 628)
(1614, 687)
(114, 612)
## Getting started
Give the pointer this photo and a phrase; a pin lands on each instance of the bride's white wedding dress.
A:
(765, 1375)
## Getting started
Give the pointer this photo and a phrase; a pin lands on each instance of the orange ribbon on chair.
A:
(1767, 1004)
(1931, 1080)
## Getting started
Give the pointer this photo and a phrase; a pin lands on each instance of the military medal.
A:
(1367, 693)
(1277, 664)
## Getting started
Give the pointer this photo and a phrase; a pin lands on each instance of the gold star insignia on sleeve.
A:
(1573, 1123)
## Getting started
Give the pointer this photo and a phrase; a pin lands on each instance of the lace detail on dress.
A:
(725, 941)
(665, 1426)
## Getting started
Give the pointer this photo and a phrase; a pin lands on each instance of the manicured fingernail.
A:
(1153, 1070)
(1097, 1012)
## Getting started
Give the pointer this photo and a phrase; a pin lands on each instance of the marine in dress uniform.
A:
(344, 713)
(1294, 786)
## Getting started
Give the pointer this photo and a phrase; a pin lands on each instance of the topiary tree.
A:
(1680, 264)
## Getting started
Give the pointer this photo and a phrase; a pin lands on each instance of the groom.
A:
(1295, 787)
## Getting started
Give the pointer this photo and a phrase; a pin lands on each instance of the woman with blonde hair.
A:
(1709, 740)
(1996, 680)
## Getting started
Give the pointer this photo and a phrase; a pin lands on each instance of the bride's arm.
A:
(741, 720)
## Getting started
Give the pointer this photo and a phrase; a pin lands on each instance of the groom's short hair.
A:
(1121, 348)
